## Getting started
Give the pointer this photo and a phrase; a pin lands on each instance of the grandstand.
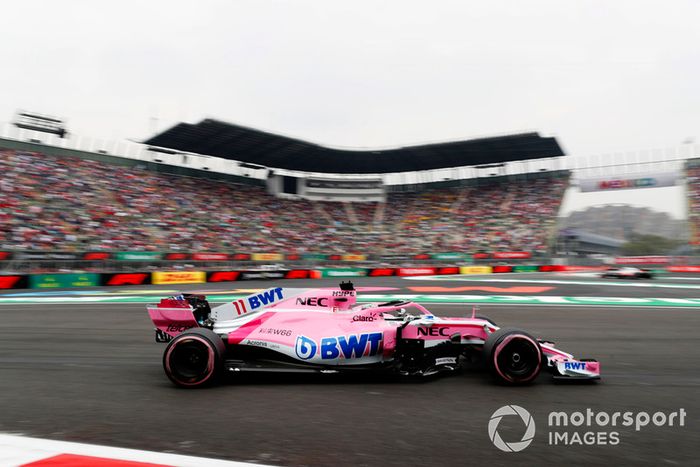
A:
(461, 199)
(73, 204)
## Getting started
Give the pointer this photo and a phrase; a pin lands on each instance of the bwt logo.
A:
(353, 346)
(574, 365)
(527, 419)
(305, 347)
(267, 297)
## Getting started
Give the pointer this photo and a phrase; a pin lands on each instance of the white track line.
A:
(17, 450)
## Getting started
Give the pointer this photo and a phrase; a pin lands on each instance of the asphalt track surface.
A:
(92, 373)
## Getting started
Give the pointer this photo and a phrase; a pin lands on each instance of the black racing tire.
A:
(513, 356)
(194, 358)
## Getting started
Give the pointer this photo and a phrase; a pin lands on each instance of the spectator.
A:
(73, 204)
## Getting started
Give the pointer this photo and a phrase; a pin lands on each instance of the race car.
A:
(326, 331)
(627, 273)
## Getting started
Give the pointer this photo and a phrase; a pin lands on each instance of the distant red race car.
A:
(327, 331)
(627, 273)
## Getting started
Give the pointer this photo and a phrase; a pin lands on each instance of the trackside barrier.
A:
(525, 268)
(562, 268)
(475, 270)
(133, 278)
(59, 281)
(416, 271)
(179, 277)
(501, 269)
(551, 268)
(381, 272)
(683, 269)
(338, 272)
(73, 280)
(14, 281)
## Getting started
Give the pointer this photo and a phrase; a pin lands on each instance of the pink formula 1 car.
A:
(326, 331)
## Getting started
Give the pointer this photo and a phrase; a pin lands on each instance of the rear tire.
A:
(513, 356)
(194, 358)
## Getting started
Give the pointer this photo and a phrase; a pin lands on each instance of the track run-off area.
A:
(82, 366)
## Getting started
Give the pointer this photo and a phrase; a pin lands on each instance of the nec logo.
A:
(433, 331)
(312, 301)
(574, 365)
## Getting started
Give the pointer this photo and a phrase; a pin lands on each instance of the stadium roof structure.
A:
(220, 139)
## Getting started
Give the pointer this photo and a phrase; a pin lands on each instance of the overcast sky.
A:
(602, 76)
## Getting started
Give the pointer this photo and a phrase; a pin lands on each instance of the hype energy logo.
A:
(506, 411)
(330, 348)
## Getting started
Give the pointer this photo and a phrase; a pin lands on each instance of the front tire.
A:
(194, 358)
(513, 356)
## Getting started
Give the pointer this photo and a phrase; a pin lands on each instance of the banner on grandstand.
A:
(47, 255)
(511, 255)
(5, 255)
(629, 182)
(344, 184)
(138, 255)
(267, 257)
(450, 256)
(96, 256)
(177, 256)
(179, 277)
(313, 257)
(209, 256)
(354, 257)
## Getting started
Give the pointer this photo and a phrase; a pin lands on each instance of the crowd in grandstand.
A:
(73, 204)
(693, 183)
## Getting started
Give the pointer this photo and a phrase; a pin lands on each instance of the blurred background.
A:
(153, 148)
(149, 136)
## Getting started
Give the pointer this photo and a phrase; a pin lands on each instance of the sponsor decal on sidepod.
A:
(352, 346)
